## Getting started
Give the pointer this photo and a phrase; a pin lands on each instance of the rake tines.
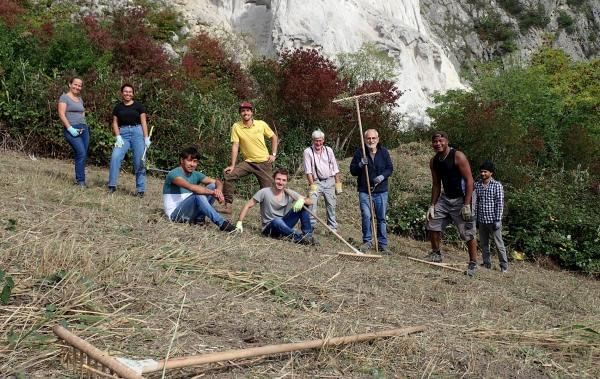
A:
(89, 362)
(359, 257)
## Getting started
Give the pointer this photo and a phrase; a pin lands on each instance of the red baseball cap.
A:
(245, 104)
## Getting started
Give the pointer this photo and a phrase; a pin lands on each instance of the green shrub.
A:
(552, 217)
(70, 50)
(565, 21)
(533, 17)
(513, 7)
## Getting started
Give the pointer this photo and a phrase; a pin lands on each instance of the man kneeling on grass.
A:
(185, 200)
(280, 211)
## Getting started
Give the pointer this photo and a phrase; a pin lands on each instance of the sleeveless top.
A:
(450, 175)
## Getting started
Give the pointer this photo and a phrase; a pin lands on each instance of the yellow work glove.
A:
(312, 190)
(298, 204)
(338, 188)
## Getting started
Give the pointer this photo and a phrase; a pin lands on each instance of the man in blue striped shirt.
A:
(490, 203)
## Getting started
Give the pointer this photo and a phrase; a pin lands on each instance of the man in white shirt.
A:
(323, 176)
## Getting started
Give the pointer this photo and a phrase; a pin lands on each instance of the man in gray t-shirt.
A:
(280, 211)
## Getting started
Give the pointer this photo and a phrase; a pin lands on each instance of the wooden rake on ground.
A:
(364, 154)
(86, 360)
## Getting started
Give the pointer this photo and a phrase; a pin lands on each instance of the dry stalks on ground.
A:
(115, 271)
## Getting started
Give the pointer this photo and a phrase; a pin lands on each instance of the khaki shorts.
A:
(447, 211)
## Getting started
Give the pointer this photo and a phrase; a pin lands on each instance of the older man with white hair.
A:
(323, 176)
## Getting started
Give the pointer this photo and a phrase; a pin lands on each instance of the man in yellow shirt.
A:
(249, 135)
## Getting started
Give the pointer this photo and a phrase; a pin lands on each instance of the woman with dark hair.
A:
(71, 112)
(131, 132)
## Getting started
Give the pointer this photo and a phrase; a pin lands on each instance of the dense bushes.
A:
(192, 100)
(541, 127)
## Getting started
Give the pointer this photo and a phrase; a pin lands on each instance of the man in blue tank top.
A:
(450, 170)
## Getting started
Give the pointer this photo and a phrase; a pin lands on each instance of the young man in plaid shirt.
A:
(490, 202)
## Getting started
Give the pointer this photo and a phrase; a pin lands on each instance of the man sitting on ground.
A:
(185, 200)
(280, 211)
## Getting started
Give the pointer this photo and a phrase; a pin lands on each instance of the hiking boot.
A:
(139, 194)
(434, 256)
(227, 227)
(365, 247)
(309, 240)
(111, 189)
(487, 265)
(384, 250)
(225, 209)
(504, 270)
(471, 269)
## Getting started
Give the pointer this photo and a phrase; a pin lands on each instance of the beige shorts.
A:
(448, 211)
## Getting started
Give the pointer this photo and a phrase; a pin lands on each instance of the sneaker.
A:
(471, 269)
(434, 256)
(111, 189)
(139, 194)
(81, 185)
(504, 270)
(227, 227)
(487, 265)
(365, 247)
(226, 208)
(308, 239)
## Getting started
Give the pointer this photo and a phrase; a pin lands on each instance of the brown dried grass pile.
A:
(112, 269)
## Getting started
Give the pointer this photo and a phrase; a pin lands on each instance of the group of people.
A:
(189, 196)
(129, 126)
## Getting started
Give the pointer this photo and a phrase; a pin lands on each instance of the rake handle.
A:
(282, 348)
(95, 353)
(436, 264)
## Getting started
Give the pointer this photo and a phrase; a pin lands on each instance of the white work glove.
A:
(466, 213)
(431, 212)
(338, 188)
(119, 141)
(74, 132)
(497, 225)
(239, 226)
(363, 162)
(297, 207)
(312, 190)
(378, 179)
(147, 141)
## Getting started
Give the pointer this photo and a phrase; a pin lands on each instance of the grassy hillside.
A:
(116, 272)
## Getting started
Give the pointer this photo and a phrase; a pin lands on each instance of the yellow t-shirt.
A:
(252, 140)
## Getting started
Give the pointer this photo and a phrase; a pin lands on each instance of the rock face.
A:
(431, 40)
(397, 27)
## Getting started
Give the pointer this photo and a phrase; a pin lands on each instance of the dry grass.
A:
(115, 271)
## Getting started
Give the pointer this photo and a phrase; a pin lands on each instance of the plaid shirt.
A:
(490, 201)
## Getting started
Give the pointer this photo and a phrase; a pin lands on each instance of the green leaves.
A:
(7, 284)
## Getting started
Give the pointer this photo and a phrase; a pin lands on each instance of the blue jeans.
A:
(80, 146)
(133, 138)
(284, 226)
(380, 202)
(195, 207)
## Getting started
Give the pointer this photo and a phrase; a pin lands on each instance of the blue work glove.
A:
(74, 132)
(497, 225)
(147, 141)
(363, 162)
(119, 141)
(378, 179)
(298, 204)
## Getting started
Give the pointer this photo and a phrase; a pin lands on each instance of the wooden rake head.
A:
(359, 257)
(87, 361)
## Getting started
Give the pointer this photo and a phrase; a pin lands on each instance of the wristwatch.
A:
(274, 154)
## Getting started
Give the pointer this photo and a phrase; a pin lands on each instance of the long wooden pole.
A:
(282, 348)
(436, 264)
(364, 152)
(95, 353)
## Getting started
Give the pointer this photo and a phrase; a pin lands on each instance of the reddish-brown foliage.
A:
(97, 34)
(9, 12)
(208, 64)
(139, 55)
(389, 93)
(309, 84)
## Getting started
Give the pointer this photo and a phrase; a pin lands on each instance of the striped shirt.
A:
(490, 201)
(320, 166)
